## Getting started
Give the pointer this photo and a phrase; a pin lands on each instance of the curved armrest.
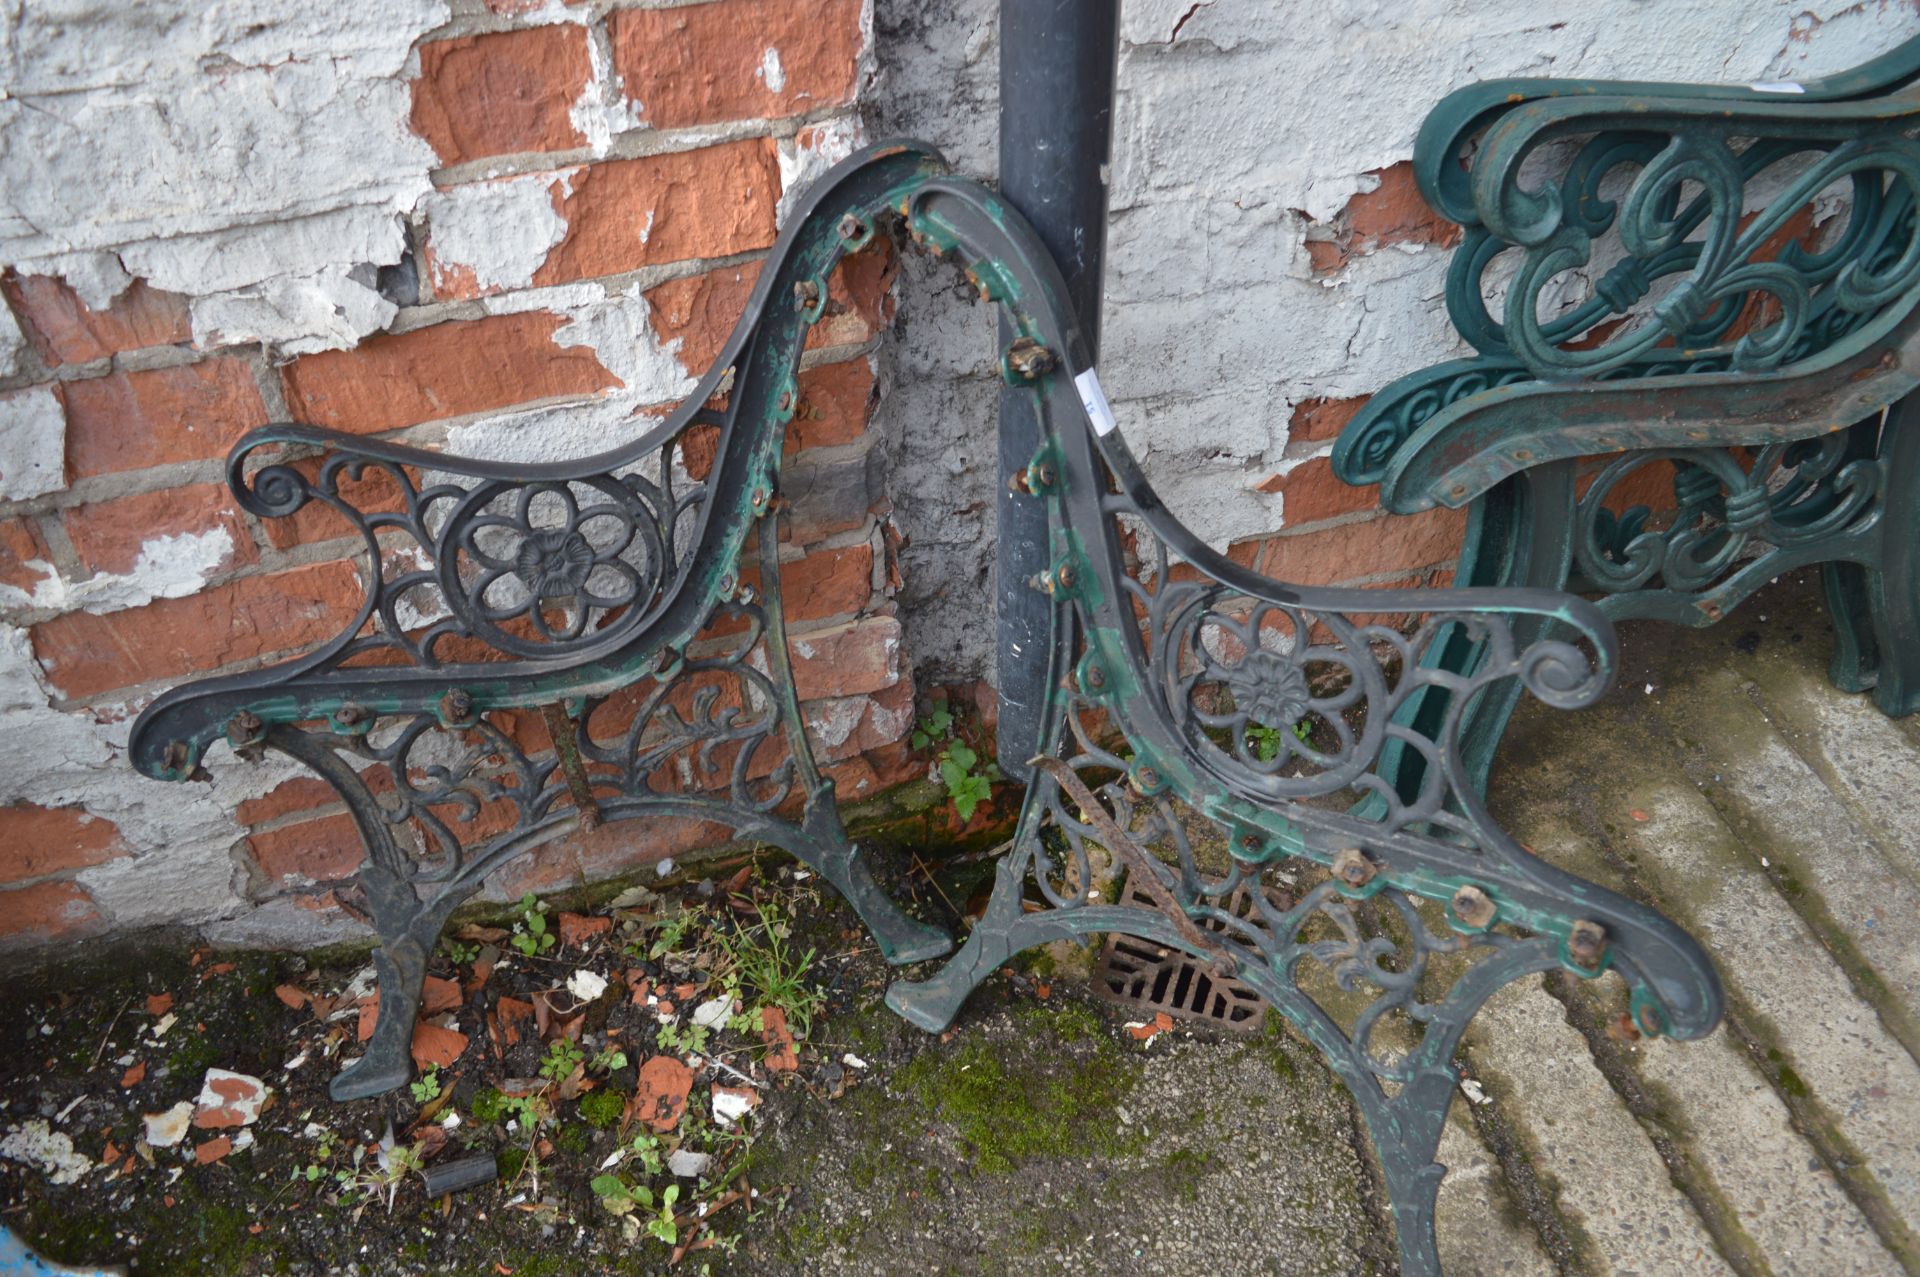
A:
(1469, 111)
(460, 579)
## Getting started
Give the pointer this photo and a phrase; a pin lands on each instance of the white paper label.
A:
(1094, 400)
(1778, 86)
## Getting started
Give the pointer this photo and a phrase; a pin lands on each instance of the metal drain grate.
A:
(1138, 973)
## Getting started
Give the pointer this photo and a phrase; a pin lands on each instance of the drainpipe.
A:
(1057, 60)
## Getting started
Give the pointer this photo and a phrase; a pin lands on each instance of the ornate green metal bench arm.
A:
(582, 589)
(1753, 352)
(1182, 685)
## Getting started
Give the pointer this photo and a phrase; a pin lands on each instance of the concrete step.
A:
(1795, 829)
(1606, 1180)
(1834, 1129)
(1483, 1231)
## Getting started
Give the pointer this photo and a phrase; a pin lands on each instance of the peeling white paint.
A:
(604, 111)
(33, 443)
(331, 309)
(500, 230)
(212, 148)
(827, 143)
(182, 869)
(771, 73)
(169, 567)
(13, 342)
(97, 278)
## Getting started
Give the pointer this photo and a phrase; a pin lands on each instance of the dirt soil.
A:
(1040, 1135)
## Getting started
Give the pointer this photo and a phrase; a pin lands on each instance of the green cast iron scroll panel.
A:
(1715, 342)
(608, 593)
(1381, 922)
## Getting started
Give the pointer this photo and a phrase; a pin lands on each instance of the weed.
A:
(531, 935)
(461, 952)
(956, 763)
(608, 1060)
(672, 933)
(1266, 740)
(488, 1107)
(760, 956)
(563, 1057)
(427, 1088)
(684, 1039)
(619, 1198)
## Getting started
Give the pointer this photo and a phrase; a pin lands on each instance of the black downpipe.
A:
(1057, 60)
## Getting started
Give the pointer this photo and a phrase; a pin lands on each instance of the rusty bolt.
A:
(1146, 778)
(786, 400)
(1620, 1028)
(1031, 359)
(1096, 677)
(1065, 576)
(759, 497)
(807, 294)
(175, 755)
(1650, 1020)
(1250, 843)
(456, 706)
(351, 715)
(1587, 944)
(851, 227)
(1020, 481)
(1043, 582)
(1352, 866)
(1473, 907)
(244, 726)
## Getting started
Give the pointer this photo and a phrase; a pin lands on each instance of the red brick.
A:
(132, 420)
(46, 910)
(1393, 213)
(323, 850)
(625, 214)
(20, 548)
(702, 63)
(701, 310)
(1390, 543)
(302, 793)
(835, 401)
(85, 654)
(849, 660)
(108, 536)
(1313, 493)
(616, 848)
(1317, 419)
(36, 841)
(442, 371)
(827, 583)
(63, 330)
(484, 95)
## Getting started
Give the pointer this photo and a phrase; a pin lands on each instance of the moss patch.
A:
(1012, 1102)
